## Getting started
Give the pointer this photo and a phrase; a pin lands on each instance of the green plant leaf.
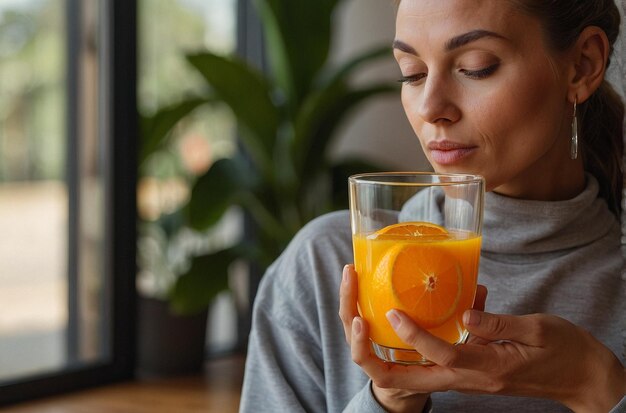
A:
(298, 37)
(207, 277)
(217, 190)
(155, 129)
(320, 133)
(286, 123)
(268, 220)
(283, 161)
(333, 85)
(248, 94)
(313, 111)
(342, 170)
(316, 129)
(334, 76)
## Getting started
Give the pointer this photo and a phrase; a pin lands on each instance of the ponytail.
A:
(602, 144)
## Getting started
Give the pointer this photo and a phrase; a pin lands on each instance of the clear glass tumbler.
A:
(416, 239)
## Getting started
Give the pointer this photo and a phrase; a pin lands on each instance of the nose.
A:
(437, 101)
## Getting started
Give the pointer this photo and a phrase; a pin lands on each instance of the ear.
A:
(590, 55)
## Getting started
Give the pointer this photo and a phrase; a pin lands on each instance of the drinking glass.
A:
(416, 239)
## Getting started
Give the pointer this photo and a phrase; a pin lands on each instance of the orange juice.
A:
(424, 270)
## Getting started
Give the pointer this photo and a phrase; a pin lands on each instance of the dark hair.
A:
(601, 116)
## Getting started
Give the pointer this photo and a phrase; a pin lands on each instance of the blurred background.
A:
(101, 99)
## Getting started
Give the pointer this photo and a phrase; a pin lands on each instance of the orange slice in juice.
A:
(413, 229)
(426, 280)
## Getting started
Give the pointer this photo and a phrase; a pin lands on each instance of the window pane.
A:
(53, 309)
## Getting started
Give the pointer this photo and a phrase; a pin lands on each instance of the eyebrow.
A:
(454, 43)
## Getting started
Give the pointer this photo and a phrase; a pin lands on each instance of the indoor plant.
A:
(287, 118)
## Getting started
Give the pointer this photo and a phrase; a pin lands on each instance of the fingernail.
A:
(393, 318)
(344, 277)
(356, 326)
(471, 318)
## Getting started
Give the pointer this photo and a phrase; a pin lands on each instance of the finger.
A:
(422, 379)
(360, 349)
(383, 374)
(359, 346)
(348, 299)
(433, 348)
(480, 298)
(436, 349)
(525, 329)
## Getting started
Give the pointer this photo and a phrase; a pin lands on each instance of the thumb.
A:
(496, 327)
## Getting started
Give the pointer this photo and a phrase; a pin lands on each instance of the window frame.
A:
(121, 142)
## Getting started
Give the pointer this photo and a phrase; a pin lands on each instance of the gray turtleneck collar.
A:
(511, 225)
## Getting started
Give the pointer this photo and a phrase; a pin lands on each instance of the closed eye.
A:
(482, 73)
(412, 78)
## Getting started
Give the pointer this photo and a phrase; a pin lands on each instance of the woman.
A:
(513, 90)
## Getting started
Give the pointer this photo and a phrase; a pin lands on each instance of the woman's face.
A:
(485, 95)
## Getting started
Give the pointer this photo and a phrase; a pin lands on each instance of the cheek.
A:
(521, 116)
(518, 126)
(407, 103)
(410, 102)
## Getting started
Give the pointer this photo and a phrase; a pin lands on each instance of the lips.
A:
(448, 152)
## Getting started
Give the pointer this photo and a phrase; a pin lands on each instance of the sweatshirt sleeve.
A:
(283, 366)
(364, 401)
(282, 375)
(297, 358)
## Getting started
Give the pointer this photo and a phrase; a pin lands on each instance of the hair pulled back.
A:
(601, 116)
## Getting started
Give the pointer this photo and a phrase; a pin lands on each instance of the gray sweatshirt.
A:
(561, 258)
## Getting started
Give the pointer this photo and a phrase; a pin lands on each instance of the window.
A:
(67, 145)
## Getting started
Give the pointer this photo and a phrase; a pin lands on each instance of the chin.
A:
(454, 169)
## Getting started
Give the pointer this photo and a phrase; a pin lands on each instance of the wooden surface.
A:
(217, 390)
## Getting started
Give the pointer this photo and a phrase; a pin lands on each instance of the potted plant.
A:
(287, 119)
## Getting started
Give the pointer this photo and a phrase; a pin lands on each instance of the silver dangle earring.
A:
(573, 146)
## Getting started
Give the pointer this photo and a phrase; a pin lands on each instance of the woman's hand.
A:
(393, 399)
(534, 355)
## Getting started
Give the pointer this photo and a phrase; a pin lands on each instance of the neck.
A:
(558, 184)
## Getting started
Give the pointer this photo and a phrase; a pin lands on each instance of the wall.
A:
(380, 130)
